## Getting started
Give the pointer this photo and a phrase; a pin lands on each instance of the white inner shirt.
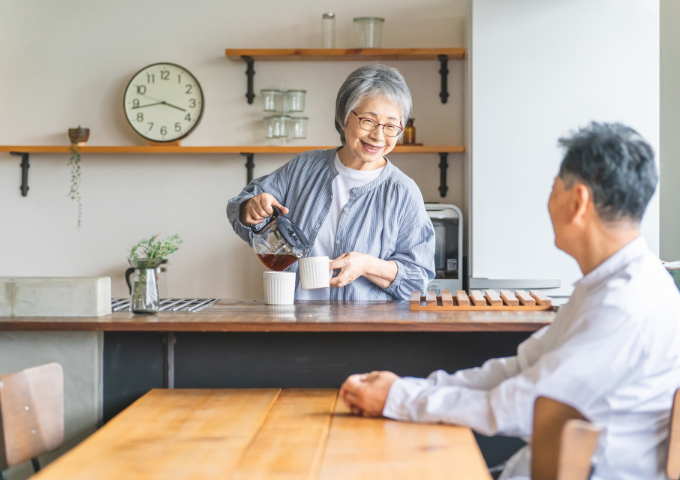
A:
(343, 183)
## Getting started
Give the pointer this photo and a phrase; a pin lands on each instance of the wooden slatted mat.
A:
(489, 300)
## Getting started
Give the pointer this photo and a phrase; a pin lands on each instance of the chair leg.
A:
(36, 464)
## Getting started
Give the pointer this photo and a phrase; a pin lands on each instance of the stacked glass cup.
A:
(283, 102)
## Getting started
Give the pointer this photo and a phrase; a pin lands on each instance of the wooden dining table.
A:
(264, 434)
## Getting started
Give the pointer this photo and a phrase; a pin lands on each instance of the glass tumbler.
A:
(295, 100)
(272, 100)
(368, 31)
(298, 127)
(328, 30)
(276, 126)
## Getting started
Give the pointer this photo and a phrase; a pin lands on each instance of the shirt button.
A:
(344, 210)
(354, 190)
(337, 242)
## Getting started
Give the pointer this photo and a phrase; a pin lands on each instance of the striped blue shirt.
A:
(385, 218)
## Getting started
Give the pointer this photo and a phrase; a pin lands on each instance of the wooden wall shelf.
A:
(250, 55)
(343, 54)
(249, 152)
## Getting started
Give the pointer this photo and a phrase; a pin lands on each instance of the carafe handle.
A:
(276, 213)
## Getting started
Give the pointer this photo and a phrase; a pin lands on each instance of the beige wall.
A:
(67, 63)
(670, 130)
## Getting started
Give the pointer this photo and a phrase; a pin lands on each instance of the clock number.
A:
(135, 103)
(178, 127)
(165, 74)
(188, 89)
(188, 117)
(164, 130)
(150, 126)
(141, 89)
(192, 103)
(150, 78)
(140, 117)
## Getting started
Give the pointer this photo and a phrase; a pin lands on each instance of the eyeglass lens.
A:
(370, 125)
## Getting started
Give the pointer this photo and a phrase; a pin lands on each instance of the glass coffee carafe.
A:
(280, 243)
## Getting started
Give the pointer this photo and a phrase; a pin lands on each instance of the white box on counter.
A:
(55, 296)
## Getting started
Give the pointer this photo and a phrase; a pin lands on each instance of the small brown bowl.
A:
(78, 136)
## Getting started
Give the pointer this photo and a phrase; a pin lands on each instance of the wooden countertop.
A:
(313, 316)
(265, 434)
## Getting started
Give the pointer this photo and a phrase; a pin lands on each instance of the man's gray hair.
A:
(367, 82)
(616, 164)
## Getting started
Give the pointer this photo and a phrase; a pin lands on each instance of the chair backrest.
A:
(562, 442)
(31, 413)
(673, 462)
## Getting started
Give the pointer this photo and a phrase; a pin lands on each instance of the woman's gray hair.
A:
(372, 81)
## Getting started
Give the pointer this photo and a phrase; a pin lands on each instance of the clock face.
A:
(163, 102)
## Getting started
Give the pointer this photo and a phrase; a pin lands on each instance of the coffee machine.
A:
(447, 221)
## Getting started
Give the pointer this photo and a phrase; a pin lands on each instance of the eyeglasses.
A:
(371, 125)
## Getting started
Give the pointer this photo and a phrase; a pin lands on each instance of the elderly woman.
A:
(355, 206)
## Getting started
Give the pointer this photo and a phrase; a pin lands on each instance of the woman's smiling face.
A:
(365, 150)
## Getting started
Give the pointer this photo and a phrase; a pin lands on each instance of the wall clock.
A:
(163, 102)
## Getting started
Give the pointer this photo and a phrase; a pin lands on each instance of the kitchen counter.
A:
(313, 316)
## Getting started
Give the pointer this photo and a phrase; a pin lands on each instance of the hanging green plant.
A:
(74, 193)
(78, 137)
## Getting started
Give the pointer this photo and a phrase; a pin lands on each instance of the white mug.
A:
(314, 272)
(279, 288)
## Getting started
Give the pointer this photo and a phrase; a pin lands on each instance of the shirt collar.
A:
(620, 259)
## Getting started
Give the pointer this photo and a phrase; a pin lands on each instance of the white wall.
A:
(670, 126)
(67, 63)
(540, 69)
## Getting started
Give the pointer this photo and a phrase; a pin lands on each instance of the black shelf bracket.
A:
(169, 341)
(250, 72)
(444, 72)
(250, 165)
(24, 172)
(443, 166)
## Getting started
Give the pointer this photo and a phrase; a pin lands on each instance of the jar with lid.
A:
(276, 126)
(295, 100)
(298, 127)
(272, 100)
(410, 132)
(368, 31)
(328, 30)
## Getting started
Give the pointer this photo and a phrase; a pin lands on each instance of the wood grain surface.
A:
(312, 316)
(265, 434)
(377, 448)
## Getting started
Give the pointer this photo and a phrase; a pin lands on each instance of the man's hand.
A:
(352, 265)
(255, 210)
(366, 394)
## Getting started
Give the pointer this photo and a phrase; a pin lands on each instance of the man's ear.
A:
(580, 198)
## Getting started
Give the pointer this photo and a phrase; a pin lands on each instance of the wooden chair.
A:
(562, 442)
(673, 461)
(31, 414)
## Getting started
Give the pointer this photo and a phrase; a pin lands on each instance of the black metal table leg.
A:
(443, 166)
(250, 72)
(250, 165)
(444, 72)
(169, 360)
(36, 464)
(24, 171)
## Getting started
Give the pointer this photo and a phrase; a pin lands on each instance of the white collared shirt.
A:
(613, 353)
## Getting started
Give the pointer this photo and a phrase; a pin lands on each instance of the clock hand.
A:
(149, 105)
(173, 106)
(147, 96)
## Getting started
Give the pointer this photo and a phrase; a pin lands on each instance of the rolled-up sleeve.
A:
(414, 249)
(276, 184)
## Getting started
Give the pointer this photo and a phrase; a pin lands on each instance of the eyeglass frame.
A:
(401, 129)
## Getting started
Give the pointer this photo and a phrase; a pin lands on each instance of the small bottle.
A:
(410, 132)
(328, 30)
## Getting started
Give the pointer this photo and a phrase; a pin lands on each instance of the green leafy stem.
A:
(153, 248)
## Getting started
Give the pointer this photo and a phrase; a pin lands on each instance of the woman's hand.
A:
(353, 265)
(255, 210)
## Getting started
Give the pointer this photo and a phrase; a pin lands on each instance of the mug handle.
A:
(129, 272)
(276, 213)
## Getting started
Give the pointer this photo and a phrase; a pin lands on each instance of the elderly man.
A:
(613, 351)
